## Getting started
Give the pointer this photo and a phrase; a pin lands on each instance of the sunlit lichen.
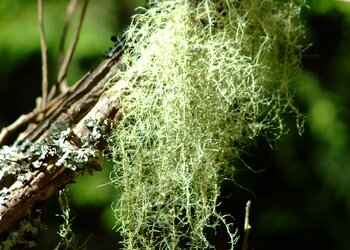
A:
(205, 79)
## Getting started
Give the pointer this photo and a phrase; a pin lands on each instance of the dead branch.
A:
(31, 117)
(69, 14)
(247, 226)
(37, 178)
(67, 59)
(43, 45)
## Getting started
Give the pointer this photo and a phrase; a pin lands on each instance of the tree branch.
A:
(34, 169)
(69, 13)
(43, 45)
(247, 226)
(67, 59)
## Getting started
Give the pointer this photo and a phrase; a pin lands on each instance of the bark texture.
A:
(28, 185)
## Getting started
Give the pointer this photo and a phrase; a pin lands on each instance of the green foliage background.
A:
(300, 197)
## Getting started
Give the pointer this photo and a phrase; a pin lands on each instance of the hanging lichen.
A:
(205, 78)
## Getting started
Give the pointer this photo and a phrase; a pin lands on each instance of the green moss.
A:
(204, 81)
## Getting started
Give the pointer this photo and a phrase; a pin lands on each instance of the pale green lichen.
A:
(68, 238)
(25, 234)
(205, 79)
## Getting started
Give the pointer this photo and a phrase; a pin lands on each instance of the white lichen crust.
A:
(205, 79)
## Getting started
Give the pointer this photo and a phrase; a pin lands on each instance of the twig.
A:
(25, 119)
(40, 183)
(21, 121)
(83, 87)
(247, 226)
(69, 13)
(43, 45)
(67, 59)
(70, 10)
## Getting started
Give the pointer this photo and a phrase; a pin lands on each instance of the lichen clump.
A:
(205, 78)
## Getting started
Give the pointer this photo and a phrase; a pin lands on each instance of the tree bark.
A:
(28, 184)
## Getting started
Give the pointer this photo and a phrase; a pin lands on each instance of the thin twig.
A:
(247, 226)
(43, 45)
(25, 119)
(69, 14)
(67, 59)
(21, 121)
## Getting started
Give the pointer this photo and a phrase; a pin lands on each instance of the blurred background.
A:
(301, 196)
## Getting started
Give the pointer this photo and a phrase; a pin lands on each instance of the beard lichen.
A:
(205, 79)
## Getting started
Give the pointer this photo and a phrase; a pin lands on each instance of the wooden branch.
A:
(90, 84)
(42, 173)
(43, 45)
(19, 123)
(247, 226)
(69, 15)
(67, 59)
(31, 117)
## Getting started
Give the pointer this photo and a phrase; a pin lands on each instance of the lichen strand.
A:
(205, 80)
